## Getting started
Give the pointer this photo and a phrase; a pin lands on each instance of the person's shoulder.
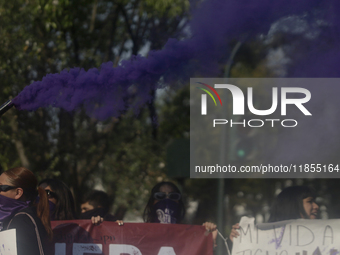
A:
(26, 212)
(30, 210)
(27, 215)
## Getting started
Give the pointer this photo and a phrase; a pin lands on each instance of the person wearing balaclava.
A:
(166, 205)
(97, 203)
(62, 206)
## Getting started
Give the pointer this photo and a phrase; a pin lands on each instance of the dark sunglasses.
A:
(5, 188)
(51, 194)
(163, 195)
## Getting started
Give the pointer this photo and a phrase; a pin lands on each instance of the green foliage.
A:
(175, 114)
(40, 37)
(171, 7)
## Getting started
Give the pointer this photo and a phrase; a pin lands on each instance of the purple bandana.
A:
(10, 206)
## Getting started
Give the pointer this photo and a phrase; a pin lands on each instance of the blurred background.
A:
(127, 155)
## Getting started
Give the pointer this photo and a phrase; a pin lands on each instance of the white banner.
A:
(295, 237)
(8, 242)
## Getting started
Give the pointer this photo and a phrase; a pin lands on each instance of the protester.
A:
(292, 203)
(19, 210)
(166, 205)
(97, 203)
(60, 198)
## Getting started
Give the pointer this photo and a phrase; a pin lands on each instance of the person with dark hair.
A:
(166, 205)
(60, 198)
(19, 210)
(97, 203)
(295, 202)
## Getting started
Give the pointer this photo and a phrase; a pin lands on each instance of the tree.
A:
(41, 37)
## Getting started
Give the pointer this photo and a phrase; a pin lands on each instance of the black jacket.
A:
(27, 241)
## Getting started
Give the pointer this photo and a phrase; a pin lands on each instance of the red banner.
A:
(80, 237)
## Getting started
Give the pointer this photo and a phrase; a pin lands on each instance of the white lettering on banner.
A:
(85, 248)
(298, 237)
(114, 249)
(79, 248)
(166, 251)
(60, 249)
(118, 249)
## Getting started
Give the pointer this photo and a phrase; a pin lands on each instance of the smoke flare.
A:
(5, 107)
(102, 91)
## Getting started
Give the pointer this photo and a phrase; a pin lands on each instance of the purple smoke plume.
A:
(102, 91)
(215, 23)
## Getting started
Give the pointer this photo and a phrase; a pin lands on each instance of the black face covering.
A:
(165, 211)
(94, 212)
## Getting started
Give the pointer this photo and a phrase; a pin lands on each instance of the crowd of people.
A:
(29, 207)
